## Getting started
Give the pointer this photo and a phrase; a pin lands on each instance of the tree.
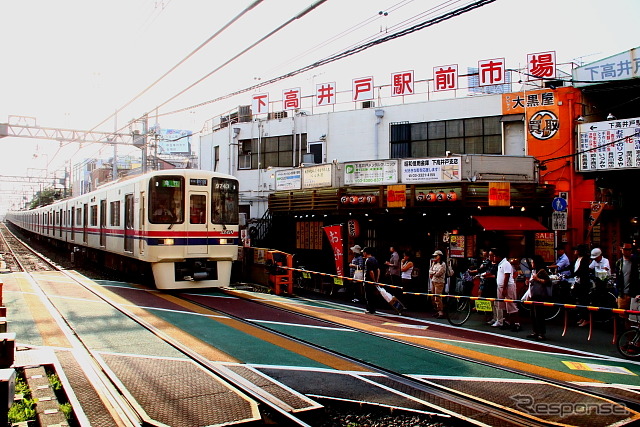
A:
(45, 197)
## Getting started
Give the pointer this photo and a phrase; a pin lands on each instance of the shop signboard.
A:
(383, 172)
(316, 176)
(543, 246)
(609, 145)
(288, 179)
(456, 246)
(334, 234)
(499, 194)
(396, 196)
(439, 169)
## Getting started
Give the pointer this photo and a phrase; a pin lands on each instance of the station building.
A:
(519, 169)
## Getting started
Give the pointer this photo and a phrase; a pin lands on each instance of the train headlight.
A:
(166, 242)
(224, 241)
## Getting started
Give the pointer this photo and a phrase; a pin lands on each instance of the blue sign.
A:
(559, 204)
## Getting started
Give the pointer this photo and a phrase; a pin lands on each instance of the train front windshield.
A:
(224, 201)
(166, 200)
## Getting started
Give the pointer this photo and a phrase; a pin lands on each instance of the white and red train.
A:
(180, 223)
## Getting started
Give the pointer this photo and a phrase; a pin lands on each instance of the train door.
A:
(128, 223)
(73, 223)
(141, 224)
(197, 226)
(85, 222)
(103, 223)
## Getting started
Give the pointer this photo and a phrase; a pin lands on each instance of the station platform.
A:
(438, 353)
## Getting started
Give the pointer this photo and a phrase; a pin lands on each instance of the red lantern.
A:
(452, 196)
(421, 197)
(361, 199)
(431, 196)
(441, 197)
(371, 199)
(353, 200)
(344, 200)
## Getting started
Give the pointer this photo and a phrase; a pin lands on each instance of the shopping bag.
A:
(393, 301)
(385, 294)
(359, 274)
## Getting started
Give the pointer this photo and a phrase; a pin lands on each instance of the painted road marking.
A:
(579, 366)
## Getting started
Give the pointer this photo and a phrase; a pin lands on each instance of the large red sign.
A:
(334, 234)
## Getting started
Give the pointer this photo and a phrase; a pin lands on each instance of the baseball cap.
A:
(356, 248)
(437, 253)
(595, 253)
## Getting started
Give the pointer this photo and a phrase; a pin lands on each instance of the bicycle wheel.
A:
(457, 310)
(549, 312)
(602, 299)
(629, 343)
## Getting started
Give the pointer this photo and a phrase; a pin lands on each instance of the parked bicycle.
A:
(629, 341)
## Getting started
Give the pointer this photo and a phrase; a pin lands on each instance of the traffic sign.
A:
(559, 221)
(559, 204)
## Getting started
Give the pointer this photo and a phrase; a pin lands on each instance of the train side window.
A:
(94, 216)
(79, 216)
(166, 200)
(115, 214)
(198, 209)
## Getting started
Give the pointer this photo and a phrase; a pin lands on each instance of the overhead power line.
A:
(341, 55)
(213, 36)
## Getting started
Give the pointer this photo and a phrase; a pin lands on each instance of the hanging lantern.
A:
(362, 199)
(353, 200)
(344, 200)
(421, 197)
(441, 197)
(371, 199)
(431, 196)
(452, 196)
(354, 228)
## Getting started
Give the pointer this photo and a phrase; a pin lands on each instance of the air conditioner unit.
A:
(368, 104)
(276, 115)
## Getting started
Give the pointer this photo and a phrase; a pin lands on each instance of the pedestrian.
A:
(582, 282)
(506, 289)
(627, 279)
(438, 275)
(372, 276)
(406, 268)
(393, 268)
(488, 284)
(562, 264)
(356, 272)
(599, 264)
(541, 290)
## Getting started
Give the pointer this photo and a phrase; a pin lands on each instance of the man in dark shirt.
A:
(372, 276)
(627, 278)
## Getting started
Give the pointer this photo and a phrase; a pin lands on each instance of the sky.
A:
(72, 64)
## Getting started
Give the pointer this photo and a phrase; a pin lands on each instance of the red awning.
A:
(509, 223)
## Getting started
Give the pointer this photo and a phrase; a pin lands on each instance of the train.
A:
(179, 225)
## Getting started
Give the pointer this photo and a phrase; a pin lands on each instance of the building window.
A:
(273, 151)
(216, 158)
(478, 135)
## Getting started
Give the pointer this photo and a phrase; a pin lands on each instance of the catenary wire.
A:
(213, 36)
(343, 54)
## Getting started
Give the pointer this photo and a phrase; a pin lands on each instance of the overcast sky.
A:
(73, 63)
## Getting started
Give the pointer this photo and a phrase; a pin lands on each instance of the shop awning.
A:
(509, 223)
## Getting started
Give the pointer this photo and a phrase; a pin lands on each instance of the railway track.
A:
(126, 409)
(439, 396)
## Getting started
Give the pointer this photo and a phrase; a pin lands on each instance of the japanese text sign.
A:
(362, 89)
(370, 173)
(260, 103)
(491, 72)
(288, 179)
(402, 83)
(445, 77)
(291, 98)
(610, 145)
(443, 169)
(623, 66)
(316, 176)
(499, 194)
(334, 234)
(397, 196)
(326, 93)
(541, 65)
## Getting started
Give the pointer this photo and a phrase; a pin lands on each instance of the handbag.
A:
(359, 274)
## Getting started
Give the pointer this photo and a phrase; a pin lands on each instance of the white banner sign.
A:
(443, 169)
(290, 179)
(316, 176)
(371, 173)
(609, 145)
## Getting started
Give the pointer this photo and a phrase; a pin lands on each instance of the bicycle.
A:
(628, 342)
